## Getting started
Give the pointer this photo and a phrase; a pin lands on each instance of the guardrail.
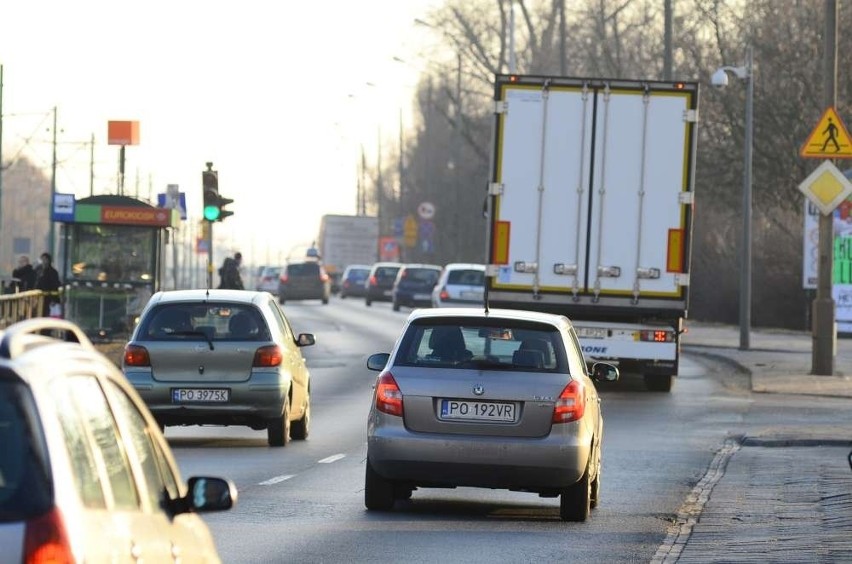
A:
(22, 305)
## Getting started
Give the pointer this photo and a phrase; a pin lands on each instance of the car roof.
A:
(464, 265)
(201, 295)
(419, 265)
(481, 313)
(358, 267)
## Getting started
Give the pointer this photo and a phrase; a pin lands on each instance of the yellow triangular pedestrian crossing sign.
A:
(829, 139)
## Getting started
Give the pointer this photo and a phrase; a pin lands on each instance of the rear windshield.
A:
(468, 277)
(386, 273)
(484, 344)
(25, 483)
(428, 275)
(303, 269)
(211, 321)
(360, 274)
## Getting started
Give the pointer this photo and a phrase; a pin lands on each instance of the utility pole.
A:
(563, 63)
(667, 40)
(92, 166)
(824, 328)
(50, 242)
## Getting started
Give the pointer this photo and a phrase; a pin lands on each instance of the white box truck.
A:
(590, 211)
(347, 239)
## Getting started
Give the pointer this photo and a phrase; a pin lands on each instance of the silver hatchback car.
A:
(85, 473)
(494, 399)
(221, 357)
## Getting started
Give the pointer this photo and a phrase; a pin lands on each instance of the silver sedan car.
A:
(221, 357)
(493, 399)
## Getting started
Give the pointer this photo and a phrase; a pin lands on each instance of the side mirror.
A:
(378, 361)
(208, 494)
(603, 372)
(306, 339)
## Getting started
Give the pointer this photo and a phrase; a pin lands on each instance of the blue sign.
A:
(165, 201)
(62, 208)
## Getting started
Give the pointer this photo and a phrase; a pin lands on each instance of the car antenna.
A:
(485, 295)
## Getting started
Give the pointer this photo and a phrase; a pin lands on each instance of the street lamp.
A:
(720, 80)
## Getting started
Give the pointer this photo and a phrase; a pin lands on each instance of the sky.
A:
(279, 96)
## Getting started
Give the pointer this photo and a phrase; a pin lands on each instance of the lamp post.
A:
(720, 80)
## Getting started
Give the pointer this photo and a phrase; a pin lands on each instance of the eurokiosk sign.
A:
(112, 258)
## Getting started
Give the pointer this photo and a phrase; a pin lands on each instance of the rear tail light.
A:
(283, 278)
(388, 395)
(45, 540)
(323, 276)
(267, 356)
(372, 281)
(571, 403)
(445, 295)
(134, 355)
(346, 283)
(656, 336)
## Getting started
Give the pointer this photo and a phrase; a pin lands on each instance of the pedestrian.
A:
(23, 277)
(229, 273)
(47, 280)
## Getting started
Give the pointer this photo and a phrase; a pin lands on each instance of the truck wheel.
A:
(659, 382)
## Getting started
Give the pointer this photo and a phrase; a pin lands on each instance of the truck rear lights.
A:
(526, 267)
(571, 404)
(45, 540)
(388, 395)
(656, 336)
(267, 356)
(134, 355)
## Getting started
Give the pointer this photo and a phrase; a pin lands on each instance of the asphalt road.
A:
(304, 503)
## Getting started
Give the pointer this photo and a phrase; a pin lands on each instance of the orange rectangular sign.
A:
(675, 251)
(132, 215)
(500, 242)
(123, 132)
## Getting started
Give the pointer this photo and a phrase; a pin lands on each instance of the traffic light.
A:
(210, 184)
(223, 213)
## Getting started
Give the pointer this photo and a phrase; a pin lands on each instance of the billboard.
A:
(842, 259)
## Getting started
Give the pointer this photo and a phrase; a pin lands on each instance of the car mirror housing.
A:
(603, 372)
(209, 494)
(306, 339)
(378, 361)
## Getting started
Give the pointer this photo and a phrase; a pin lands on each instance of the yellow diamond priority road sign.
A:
(828, 140)
(826, 187)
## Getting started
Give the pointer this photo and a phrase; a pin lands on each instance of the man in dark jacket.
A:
(47, 280)
(24, 277)
(229, 273)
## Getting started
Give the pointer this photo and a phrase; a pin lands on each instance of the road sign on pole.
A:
(829, 139)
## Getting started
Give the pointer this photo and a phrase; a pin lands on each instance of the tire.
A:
(278, 428)
(659, 382)
(368, 301)
(396, 306)
(575, 501)
(281, 299)
(325, 301)
(596, 485)
(299, 430)
(378, 492)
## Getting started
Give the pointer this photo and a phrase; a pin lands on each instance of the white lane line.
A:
(332, 458)
(276, 480)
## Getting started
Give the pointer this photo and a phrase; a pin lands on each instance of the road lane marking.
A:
(332, 458)
(276, 480)
(679, 532)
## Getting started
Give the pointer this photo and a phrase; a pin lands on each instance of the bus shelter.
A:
(112, 248)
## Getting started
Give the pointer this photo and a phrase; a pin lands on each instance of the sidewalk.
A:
(784, 495)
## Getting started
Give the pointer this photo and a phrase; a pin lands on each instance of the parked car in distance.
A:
(85, 473)
(461, 284)
(380, 281)
(494, 399)
(353, 282)
(304, 280)
(414, 284)
(221, 357)
(268, 280)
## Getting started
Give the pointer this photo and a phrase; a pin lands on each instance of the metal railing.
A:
(23, 305)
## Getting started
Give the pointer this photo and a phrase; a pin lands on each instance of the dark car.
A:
(380, 282)
(304, 280)
(413, 285)
(85, 472)
(353, 281)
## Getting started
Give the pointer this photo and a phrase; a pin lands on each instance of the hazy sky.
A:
(275, 93)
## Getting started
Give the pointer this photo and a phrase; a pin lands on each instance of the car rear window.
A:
(483, 344)
(385, 273)
(25, 482)
(303, 269)
(468, 277)
(427, 275)
(213, 321)
(357, 274)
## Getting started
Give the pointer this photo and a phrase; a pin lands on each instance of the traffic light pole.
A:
(209, 255)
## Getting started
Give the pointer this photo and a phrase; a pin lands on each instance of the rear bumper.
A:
(251, 402)
(545, 464)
